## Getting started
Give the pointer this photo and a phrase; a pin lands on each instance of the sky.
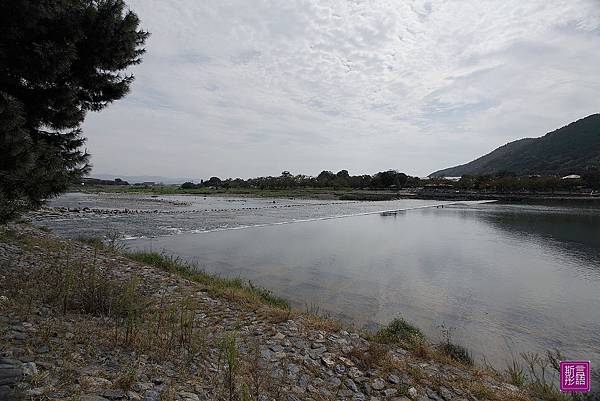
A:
(239, 88)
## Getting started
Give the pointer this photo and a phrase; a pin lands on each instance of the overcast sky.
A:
(248, 88)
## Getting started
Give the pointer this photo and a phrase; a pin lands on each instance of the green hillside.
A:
(570, 149)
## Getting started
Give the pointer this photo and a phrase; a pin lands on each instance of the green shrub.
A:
(457, 352)
(399, 331)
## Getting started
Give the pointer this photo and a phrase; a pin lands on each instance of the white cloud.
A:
(245, 88)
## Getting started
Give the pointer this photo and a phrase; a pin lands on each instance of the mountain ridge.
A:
(569, 149)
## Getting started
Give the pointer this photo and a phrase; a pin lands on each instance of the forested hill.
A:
(570, 149)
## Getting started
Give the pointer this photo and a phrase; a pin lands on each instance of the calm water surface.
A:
(506, 278)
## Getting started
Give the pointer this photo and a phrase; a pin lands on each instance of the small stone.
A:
(132, 395)
(359, 397)
(279, 336)
(355, 373)
(351, 385)
(91, 398)
(346, 361)
(303, 381)
(412, 392)
(327, 361)
(393, 379)
(276, 348)
(151, 395)
(340, 369)
(390, 392)
(378, 384)
(43, 349)
(189, 396)
(35, 392)
(69, 336)
(334, 381)
(113, 394)
(30, 369)
(293, 369)
(445, 393)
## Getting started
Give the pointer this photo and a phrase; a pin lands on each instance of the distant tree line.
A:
(510, 182)
(390, 179)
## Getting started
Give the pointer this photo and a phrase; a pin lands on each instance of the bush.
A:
(400, 331)
(457, 352)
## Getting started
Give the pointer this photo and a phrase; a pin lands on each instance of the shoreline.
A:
(294, 337)
(356, 195)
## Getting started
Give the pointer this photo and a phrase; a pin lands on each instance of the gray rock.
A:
(91, 398)
(390, 392)
(151, 395)
(432, 394)
(189, 396)
(327, 361)
(340, 368)
(276, 348)
(359, 397)
(293, 369)
(113, 394)
(351, 385)
(378, 384)
(334, 382)
(445, 393)
(30, 369)
(412, 392)
(303, 381)
(393, 379)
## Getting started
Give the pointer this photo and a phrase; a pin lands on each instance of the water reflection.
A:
(507, 278)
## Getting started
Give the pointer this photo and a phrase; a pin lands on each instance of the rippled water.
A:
(506, 278)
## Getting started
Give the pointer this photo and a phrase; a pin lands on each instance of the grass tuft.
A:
(457, 352)
(399, 331)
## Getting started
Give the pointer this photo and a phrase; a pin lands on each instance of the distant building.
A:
(572, 177)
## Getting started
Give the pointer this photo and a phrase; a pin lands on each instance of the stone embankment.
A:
(78, 323)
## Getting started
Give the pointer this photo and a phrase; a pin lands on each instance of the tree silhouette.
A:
(59, 59)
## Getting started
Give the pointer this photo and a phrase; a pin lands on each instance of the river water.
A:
(505, 278)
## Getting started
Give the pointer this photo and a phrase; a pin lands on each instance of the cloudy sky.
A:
(242, 88)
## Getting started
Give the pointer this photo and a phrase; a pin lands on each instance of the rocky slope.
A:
(167, 338)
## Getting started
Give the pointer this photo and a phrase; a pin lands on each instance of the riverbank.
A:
(358, 195)
(81, 321)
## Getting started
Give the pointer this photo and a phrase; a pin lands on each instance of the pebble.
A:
(351, 385)
(91, 398)
(378, 384)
